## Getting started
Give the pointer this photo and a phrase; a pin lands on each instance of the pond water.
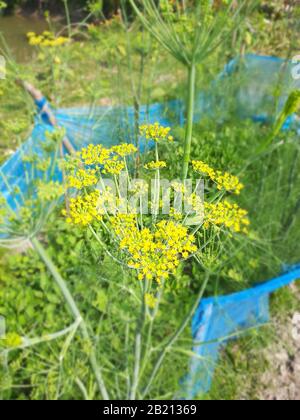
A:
(15, 28)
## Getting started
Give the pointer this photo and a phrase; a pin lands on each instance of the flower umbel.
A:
(83, 210)
(224, 181)
(155, 254)
(150, 300)
(124, 149)
(49, 191)
(156, 132)
(94, 155)
(155, 165)
(83, 178)
(47, 39)
(226, 214)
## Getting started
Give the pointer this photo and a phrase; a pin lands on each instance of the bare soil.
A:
(282, 381)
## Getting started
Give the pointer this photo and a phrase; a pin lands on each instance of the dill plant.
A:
(190, 31)
(150, 247)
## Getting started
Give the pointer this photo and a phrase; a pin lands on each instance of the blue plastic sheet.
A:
(251, 86)
(220, 319)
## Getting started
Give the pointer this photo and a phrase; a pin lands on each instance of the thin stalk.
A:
(138, 346)
(128, 382)
(190, 119)
(30, 342)
(157, 187)
(69, 25)
(175, 337)
(103, 245)
(75, 312)
(148, 347)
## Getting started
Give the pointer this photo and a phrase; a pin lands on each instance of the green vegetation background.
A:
(28, 300)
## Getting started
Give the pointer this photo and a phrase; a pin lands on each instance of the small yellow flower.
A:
(155, 165)
(150, 301)
(228, 182)
(49, 191)
(47, 39)
(178, 187)
(203, 168)
(226, 214)
(94, 155)
(155, 254)
(176, 215)
(124, 149)
(225, 180)
(84, 210)
(113, 167)
(35, 40)
(83, 178)
(57, 60)
(156, 132)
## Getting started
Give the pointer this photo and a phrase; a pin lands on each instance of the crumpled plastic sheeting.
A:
(223, 318)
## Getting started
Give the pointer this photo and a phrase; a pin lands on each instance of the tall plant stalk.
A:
(190, 119)
(138, 345)
(190, 34)
(75, 312)
(175, 337)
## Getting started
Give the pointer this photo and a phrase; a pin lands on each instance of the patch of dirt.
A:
(282, 381)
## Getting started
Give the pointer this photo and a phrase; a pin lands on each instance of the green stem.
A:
(138, 347)
(148, 347)
(175, 337)
(30, 342)
(69, 25)
(190, 119)
(157, 188)
(74, 310)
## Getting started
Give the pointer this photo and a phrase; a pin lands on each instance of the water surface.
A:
(15, 28)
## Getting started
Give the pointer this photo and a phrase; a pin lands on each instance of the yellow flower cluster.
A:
(196, 204)
(124, 149)
(87, 208)
(150, 300)
(49, 191)
(203, 168)
(47, 39)
(155, 255)
(84, 210)
(225, 180)
(83, 178)
(113, 166)
(43, 165)
(155, 165)
(108, 158)
(178, 187)
(175, 214)
(226, 214)
(229, 182)
(122, 223)
(139, 187)
(156, 132)
(94, 155)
